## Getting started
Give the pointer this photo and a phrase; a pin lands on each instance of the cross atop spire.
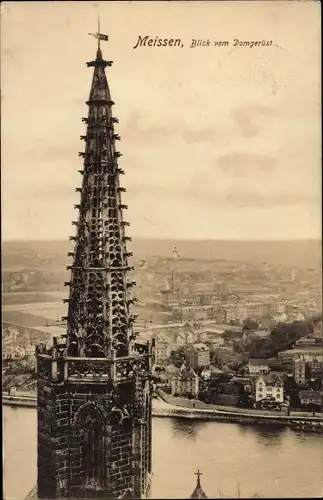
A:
(198, 474)
(198, 492)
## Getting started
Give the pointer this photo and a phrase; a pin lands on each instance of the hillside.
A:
(49, 254)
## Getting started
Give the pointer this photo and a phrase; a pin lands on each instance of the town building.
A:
(210, 372)
(171, 370)
(318, 332)
(254, 309)
(162, 349)
(300, 371)
(219, 287)
(215, 301)
(10, 335)
(185, 382)
(229, 314)
(94, 388)
(211, 334)
(223, 355)
(246, 382)
(30, 351)
(308, 398)
(169, 300)
(280, 307)
(270, 386)
(214, 343)
(198, 356)
(315, 369)
(13, 352)
(295, 316)
(219, 315)
(260, 334)
(194, 312)
(190, 337)
(258, 366)
(280, 318)
(307, 341)
(180, 340)
(307, 354)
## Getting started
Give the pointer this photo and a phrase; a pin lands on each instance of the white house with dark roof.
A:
(185, 382)
(270, 386)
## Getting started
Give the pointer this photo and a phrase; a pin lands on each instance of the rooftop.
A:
(212, 329)
(171, 369)
(201, 346)
(272, 378)
(305, 350)
(310, 394)
(258, 362)
(261, 333)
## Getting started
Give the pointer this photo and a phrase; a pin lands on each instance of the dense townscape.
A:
(225, 333)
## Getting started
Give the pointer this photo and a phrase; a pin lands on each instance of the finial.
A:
(99, 31)
(198, 492)
(198, 474)
(99, 36)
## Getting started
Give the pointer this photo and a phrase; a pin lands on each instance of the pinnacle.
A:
(100, 293)
(99, 54)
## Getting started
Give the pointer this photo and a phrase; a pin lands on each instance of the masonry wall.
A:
(53, 425)
(62, 444)
(122, 458)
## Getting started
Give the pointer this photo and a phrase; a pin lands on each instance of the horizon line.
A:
(14, 240)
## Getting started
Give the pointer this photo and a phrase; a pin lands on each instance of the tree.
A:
(283, 336)
(276, 367)
(235, 366)
(177, 357)
(250, 324)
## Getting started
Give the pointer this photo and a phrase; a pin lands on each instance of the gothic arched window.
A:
(90, 421)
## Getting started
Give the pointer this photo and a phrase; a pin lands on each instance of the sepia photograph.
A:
(161, 249)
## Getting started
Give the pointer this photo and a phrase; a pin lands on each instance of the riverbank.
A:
(162, 408)
(181, 402)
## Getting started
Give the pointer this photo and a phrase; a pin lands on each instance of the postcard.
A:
(161, 254)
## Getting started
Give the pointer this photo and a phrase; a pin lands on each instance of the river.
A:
(269, 462)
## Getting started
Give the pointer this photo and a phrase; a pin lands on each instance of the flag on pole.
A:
(100, 36)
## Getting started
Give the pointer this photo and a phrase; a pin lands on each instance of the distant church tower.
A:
(198, 491)
(94, 388)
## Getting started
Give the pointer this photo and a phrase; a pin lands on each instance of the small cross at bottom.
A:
(198, 474)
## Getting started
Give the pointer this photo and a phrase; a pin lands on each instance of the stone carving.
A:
(90, 415)
(44, 368)
(103, 385)
(85, 368)
(127, 368)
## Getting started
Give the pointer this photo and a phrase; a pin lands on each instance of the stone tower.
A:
(94, 388)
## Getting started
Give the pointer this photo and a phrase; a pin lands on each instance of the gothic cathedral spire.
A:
(99, 318)
(94, 386)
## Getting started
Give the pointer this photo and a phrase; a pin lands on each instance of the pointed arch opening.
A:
(89, 424)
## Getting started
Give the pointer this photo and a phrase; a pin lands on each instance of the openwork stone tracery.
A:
(94, 394)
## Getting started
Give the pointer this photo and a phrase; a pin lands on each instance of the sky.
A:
(218, 142)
